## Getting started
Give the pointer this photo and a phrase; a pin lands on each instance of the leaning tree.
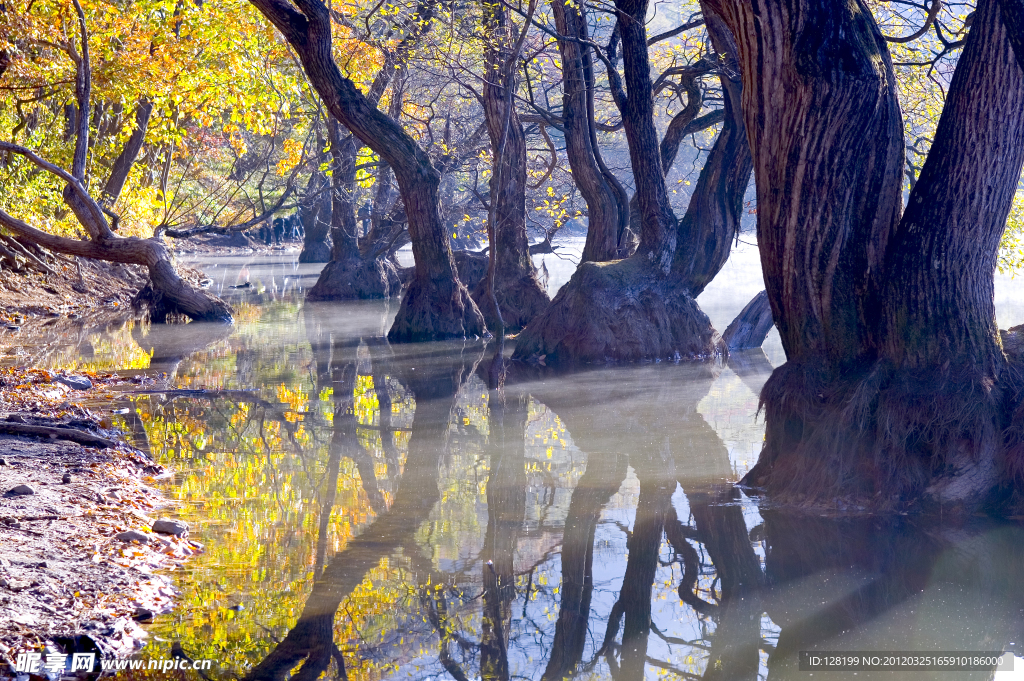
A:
(436, 305)
(896, 392)
(170, 293)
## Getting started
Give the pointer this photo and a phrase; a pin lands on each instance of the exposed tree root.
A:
(168, 295)
(619, 312)
(357, 279)
(882, 440)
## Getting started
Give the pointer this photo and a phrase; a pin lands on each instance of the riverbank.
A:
(83, 558)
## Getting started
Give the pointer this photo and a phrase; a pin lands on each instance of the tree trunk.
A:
(512, 282)
(349, 275)
(751, 325)
(126, 159)
(642, 307)
(317, 209)
(606, 211)
(891, 396)
(436, 305)
(1013, 18)
(818, 82)
(712, 219)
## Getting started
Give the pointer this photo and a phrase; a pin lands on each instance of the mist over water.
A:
(378, 504)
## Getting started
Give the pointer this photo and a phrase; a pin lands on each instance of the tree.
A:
(436, 305)
(892, 395)
(510, 294)
(643, 307)
(170, 294)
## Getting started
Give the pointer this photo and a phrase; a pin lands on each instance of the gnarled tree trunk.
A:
(642, 307)
(511, 282)
(436, 305)
(891, 395)
(607, 211)
(348, 275)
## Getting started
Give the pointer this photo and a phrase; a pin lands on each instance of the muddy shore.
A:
(81, 566)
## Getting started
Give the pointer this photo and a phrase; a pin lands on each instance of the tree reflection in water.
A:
(540, 583)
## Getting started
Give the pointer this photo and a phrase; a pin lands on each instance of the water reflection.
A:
(379, 510)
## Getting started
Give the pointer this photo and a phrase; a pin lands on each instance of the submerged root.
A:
(356, 279)
(619, 312)
(885, 439)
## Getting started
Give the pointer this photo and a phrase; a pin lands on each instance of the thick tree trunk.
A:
(891, 396)
(817, 83)
(436, 305)
(512, 283)
(606, 211)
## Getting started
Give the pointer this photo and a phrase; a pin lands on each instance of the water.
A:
(379, 505)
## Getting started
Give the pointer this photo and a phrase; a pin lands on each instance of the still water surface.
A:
(379, 505)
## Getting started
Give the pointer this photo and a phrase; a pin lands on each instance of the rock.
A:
(175, 527)
(14, 584)
(142, 615)
(3, 461)
(66, 479)
(75, 382)
(22, 490)
(133, 535)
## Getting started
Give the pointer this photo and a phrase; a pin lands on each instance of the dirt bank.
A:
(80, 563)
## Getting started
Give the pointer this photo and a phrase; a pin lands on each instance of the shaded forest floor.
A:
(79, 561)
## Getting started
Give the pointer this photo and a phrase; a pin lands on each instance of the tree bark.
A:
(1013, 19)
(126, 159)
(512, 282)
(436, 305)
(939, 289)
(817, 83)
(607, 213)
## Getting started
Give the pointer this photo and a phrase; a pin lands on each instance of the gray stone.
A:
(75, 382)
(175, 527)
(3, 461)
(22, 490)
(133, 535)
(15, 584)
(142, 615)
(66, 479)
